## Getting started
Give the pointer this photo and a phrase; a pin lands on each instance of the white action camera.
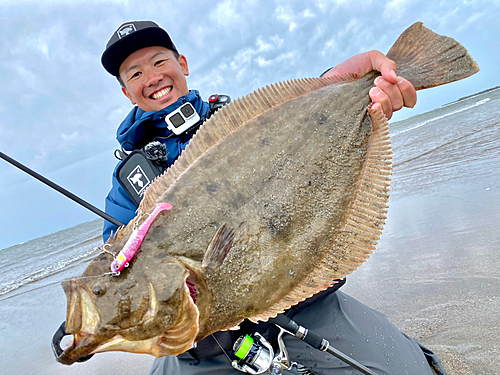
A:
(182, 119)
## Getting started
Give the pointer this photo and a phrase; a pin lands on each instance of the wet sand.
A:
(434, 275)
(435, 272)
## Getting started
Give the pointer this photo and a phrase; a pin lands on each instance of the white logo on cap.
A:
(125, 30)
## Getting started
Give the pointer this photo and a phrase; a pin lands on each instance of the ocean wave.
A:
(441, 117)
(48, 271)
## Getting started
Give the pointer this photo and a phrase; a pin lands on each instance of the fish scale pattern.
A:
(364, 224)
(225, 121)
(363, 227)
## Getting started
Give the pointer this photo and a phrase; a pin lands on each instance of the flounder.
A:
(277, 195)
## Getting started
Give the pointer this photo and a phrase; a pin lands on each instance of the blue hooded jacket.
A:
(135, 131)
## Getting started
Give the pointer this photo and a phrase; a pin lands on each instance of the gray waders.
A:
(351, 327)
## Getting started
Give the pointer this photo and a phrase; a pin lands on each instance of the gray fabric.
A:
(351, 327)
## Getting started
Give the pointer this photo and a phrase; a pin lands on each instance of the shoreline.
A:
(472, 95)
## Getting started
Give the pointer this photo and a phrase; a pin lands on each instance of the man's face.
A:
(154, 78)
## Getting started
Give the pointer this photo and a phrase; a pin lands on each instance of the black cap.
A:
(130, 37)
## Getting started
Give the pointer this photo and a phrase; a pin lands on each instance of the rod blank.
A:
(61, 190)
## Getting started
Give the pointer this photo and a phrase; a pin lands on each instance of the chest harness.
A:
(141, 166)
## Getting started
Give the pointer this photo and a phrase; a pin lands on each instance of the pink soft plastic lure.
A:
(135, 240)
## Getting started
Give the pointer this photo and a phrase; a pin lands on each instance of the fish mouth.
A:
(178, 338)
(67, 356)
(88, 339)
(82, 323)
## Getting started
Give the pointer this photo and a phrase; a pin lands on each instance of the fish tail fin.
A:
(427, 59)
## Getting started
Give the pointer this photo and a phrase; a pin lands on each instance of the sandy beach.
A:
(435, 274)
(443, 293)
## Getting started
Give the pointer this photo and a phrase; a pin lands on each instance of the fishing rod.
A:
(255, 355)
(317, 342)
(61, 190)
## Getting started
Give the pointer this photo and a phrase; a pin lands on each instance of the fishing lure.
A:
(135, 240)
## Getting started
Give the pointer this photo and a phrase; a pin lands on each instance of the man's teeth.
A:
(160, 94)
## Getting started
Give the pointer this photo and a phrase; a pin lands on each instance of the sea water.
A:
(46, 257)
(451, 146)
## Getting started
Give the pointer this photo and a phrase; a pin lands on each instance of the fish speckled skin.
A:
(278, 194)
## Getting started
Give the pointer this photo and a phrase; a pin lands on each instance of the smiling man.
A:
(153, 74)
(154, 77)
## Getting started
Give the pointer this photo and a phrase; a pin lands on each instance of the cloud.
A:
(444, 18)
(277, 61)
(307, 13)
(225, 13)
(332, 5)
(329, 46)
(285, 15)
(43, 40)
(395, 9)
(71, 137)
(292, 17)
(473, 19)
(29, 78)
(59, 106)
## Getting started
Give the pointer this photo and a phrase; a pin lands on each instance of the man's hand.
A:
(391, 92)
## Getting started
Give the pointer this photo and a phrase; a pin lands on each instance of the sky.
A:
(59, 109)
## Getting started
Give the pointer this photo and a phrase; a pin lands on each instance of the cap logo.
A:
(125, 30)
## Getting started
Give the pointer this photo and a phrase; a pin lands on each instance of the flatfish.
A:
(277, 195)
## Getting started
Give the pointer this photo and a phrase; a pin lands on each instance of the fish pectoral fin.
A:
(219, 247)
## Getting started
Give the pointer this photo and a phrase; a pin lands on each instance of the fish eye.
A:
(98, 290)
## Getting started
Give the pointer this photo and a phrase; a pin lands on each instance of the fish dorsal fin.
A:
(363, 225)
(226, 120)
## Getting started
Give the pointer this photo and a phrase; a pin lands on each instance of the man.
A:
(153, 74)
